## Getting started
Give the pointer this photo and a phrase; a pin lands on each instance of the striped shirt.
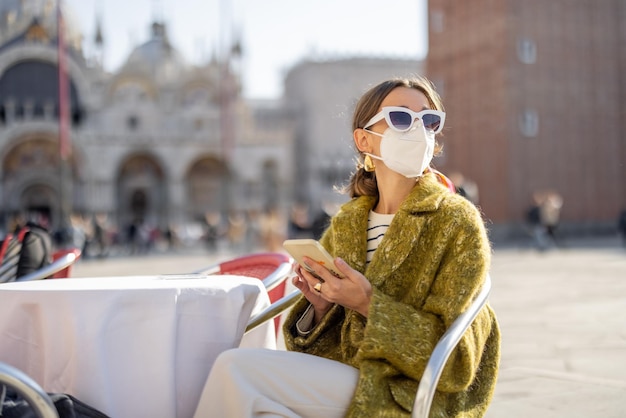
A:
(377, 225)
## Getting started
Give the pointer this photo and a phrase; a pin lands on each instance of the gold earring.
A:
(368, 164)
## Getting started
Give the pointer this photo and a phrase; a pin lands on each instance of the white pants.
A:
(275, 383)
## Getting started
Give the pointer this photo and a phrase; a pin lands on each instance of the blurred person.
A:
(533, 219)
(236, 232)
(550, 211)
(37, 247)
(100, 234)
(548, 204)
(78, 234)
(213, 229)
(138, 235)
(299, 222)
(253, 231)
(171, 236)
(413, 256)
(273, 226)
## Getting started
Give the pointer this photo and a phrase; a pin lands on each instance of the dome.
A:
(157, 57)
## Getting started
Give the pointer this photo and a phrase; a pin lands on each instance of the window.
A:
(437, 21)
(529, 123)
(526, 51)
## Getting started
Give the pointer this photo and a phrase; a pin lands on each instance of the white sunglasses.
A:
(401, 119)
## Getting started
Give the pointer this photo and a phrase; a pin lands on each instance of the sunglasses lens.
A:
(400, 120)
(431, 121)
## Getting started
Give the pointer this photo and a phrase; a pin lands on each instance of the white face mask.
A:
(407, 153)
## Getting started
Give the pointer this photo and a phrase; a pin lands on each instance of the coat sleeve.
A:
(405, 332)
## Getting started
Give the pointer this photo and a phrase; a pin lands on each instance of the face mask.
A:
(407, 153)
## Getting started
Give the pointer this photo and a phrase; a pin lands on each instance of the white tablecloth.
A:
(129, 346)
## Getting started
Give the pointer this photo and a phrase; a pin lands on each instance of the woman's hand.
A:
(352, 291)
(306, 282)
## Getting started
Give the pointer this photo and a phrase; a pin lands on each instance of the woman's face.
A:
(400, 96)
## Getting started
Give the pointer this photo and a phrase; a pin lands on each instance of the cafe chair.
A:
(9, 256)
(272, 268)
(62, 262)
(67, 254)
(273, 311)
(442, 351)
(28, 389)
(438, 358)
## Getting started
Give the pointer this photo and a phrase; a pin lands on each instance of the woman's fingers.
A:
(306, 282)
(353, 290)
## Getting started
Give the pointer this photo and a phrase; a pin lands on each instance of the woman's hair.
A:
(364, 183)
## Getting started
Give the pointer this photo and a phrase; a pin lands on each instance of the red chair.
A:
(66, 254)
(62, 262)
(272, 268)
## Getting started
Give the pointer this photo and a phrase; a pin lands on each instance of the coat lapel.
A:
(352, 231)
(405, 229)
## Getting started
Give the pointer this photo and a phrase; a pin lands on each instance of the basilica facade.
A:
(158, 142)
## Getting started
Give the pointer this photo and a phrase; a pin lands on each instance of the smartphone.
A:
(299, 248)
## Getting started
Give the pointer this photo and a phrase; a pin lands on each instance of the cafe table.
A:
(136, 346)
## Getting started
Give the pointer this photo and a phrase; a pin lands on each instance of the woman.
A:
(413, 256)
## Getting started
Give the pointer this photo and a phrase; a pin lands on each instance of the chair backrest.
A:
(29, 390)
(439, 357)
(25, 252)
(10, 255)
(272, 268)
(7, 243)
(8, 269)
(443, 349)
(67, 271)
(60, 267)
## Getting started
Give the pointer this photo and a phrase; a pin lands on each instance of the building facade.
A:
(159, 142)
(535, 94)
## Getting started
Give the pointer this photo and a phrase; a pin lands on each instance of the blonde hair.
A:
(363, 183)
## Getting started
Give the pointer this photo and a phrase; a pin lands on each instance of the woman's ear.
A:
(362, 140)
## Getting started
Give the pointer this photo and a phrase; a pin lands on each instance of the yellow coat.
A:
(429, 266)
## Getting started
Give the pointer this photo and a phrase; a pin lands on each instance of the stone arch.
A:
(141, 192)
(31, 176)
(208, 187)
(42, 198)
(30, 90)
(44, 53)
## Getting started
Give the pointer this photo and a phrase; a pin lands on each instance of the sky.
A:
(275, 34)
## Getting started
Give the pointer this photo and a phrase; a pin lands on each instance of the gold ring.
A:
(318, 287)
